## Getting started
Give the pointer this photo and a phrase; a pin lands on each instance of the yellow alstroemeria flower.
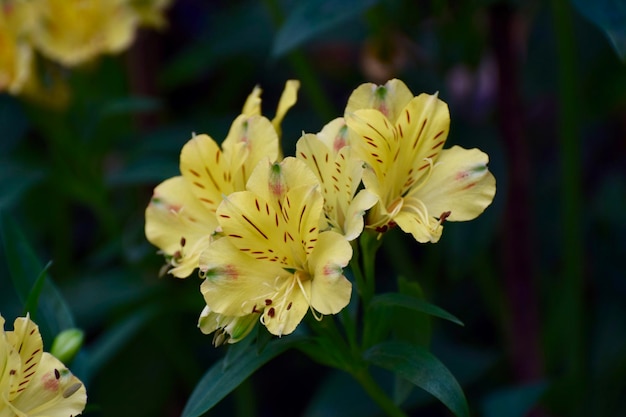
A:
(329, 156)
(180, 218)
(16, 54)
(34, 383)
(228, 329)
(74, 31)
(273, 259)
(419, 184)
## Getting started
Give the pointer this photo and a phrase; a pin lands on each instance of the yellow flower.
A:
(16, 53)
(273, 259)
(228, 329)
(180, 219)
(418, 184)
(74, 31)
(34, 383)
(329, 156)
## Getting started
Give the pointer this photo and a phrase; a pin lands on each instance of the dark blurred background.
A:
(538, 279)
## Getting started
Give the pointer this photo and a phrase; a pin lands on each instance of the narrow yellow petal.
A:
(26, 337)
(252, 106)
(286, 102)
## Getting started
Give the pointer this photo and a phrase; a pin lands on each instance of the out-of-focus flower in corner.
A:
(273, 258)
(74, 31)
(16, 53)
(329, 155)
(34, 383)
(419, 184)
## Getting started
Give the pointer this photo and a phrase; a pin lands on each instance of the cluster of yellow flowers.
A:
(271, 235)
(69, 32)
(33, 382)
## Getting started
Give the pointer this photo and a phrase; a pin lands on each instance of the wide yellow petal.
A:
(377, 141)
(413, 217)
(460, 183)
(389, 98)
(179, 224)
(52, 392)
(16, 55)
(330, 290)
(207, 171)
(25, 338)
(236, 284)
(255, 227)
(283, 315)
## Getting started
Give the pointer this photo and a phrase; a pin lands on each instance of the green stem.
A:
(377, 394)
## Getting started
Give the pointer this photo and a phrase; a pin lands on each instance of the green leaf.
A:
(312, 17)
(33, 296)
(53, 314)
(423, 369)
(609, 16)
(402, 300)
(513, 402)
(220, 380)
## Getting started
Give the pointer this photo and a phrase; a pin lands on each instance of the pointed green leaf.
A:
(402, 300)
(423, 369)
(33, 296)
(312, 17)
(220, 380)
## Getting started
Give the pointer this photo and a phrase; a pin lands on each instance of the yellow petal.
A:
(10, 366)
(16, 55)
(230, 329)
(460, 183)
(330, 290)
(179, 224)
(286, 102)
(236, 284)
(27, 341)
(413, 217)
(389, 98)
(250, 140)
(354, 222)
(207, 171)
(271, 181)
(283, 315)
(52, 392)
(252, 106)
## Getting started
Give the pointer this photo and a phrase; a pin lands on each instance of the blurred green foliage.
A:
(74, 185)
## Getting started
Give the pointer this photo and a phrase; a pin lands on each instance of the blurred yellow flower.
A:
(74, 31)
(151, 12)
(16, 53)
(418, 184)
(34, 383)
(329, 156)
(273, 259)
